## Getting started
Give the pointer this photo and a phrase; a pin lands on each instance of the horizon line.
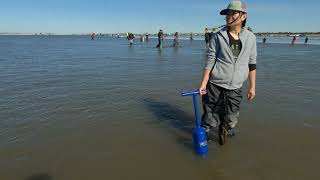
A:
(104, 33)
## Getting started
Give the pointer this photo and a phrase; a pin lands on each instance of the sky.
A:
(139, 16)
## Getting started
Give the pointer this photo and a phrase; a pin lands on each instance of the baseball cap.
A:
(235, 5)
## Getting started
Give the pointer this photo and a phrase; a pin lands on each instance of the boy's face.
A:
(235, 18)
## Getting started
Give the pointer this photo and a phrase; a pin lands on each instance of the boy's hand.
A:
(202, 90)
(251, 94)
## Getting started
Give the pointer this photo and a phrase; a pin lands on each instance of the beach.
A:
(73, 108)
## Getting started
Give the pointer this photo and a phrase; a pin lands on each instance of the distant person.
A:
(191, 36)
(130, 38)
(226, 70)
(160, 39)
(176, 40)
(147, 37)
(118, 36)
(207, 37)
(93, 35)
(141, 38)
(264, 40)
(294, 39)
(306, 40)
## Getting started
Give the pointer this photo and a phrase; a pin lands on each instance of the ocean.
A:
(73, 108)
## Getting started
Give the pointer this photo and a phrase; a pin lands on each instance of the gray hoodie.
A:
(228, 72)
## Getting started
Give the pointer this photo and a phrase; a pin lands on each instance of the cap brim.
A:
(224, 12)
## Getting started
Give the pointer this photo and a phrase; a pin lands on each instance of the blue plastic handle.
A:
(190, 93)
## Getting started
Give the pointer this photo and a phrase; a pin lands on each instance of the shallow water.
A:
(72, 108)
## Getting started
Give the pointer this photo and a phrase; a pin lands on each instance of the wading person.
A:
(160, 39)
(294, 39)
(176, 40)
(231, 59)
(306, 40)
(130, 38)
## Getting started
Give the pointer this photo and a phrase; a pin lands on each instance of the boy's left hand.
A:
(251, 94)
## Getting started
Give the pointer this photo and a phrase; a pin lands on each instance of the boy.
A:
(231, 59)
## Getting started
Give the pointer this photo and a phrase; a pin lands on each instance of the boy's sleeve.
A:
(253, 55)
(211, 53)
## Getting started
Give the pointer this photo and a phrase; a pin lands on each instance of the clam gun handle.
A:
(190, 93)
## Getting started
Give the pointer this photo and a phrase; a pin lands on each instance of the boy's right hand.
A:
(202, 90)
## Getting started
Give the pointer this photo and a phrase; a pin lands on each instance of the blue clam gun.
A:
(199, 133)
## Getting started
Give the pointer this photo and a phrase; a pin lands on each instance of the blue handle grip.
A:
(190, 93)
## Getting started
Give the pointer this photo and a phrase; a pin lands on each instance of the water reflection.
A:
(43, 176)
